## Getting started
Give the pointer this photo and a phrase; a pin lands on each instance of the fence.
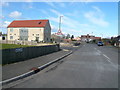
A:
(20, 54)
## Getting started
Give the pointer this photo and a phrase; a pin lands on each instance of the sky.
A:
(79, 18)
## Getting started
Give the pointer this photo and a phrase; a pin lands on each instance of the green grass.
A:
(8, 46)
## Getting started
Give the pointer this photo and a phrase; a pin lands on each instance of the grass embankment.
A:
(8, 46)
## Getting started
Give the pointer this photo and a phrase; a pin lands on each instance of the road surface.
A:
(90, 66)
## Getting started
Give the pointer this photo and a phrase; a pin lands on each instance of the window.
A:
(37, 34)
(11, 37)
(11, 30)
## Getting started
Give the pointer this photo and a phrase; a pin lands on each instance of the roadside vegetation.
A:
(8, 46)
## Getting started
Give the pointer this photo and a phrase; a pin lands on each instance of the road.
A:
(90, 66)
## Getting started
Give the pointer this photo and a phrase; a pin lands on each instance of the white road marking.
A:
(108, 59)
(65, 50)
(106, 56)
(75, 46)
(99, 51)
(95, 48)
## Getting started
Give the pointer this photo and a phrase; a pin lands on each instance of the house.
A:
(87, 37)
(29, 30)
(97, 38)
(78, 38)
(115, 41)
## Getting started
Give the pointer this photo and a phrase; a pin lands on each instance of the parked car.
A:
(100, 43)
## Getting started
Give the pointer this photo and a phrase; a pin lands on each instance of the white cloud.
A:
(15, 14)
(69, 24)
(4, 24)
(75, 13)
(53, 27)
(44, 12)
(4, 4)
(51, 4)
(30, 4)
(56, 12)
(61, 4)
(76, 27)
(96, 17)
(61, 0)
(1, 17)
(28, 0)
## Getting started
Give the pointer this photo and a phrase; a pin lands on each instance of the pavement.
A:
(90, 66)
(16, 69)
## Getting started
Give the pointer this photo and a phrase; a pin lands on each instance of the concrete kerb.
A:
(33, 71)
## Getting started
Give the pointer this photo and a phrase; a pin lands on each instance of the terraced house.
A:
(29, 30)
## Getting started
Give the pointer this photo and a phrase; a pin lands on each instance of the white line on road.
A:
(107, 58)
(95, 48)
(99, 51)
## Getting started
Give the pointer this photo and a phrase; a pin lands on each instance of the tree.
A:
(72, 37)
(68, 36)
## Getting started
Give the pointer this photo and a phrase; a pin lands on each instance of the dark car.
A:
(100, 43)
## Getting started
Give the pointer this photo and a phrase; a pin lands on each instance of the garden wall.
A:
(21, 54)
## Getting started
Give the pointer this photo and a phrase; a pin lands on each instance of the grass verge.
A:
(8, 46)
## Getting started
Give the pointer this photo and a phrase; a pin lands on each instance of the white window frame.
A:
(37, 34)
(11, 29)
(11, 36)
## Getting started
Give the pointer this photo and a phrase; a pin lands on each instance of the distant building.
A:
(78, 38)
(97, 38)
(29, 30)
(116, 41)
(89, 38)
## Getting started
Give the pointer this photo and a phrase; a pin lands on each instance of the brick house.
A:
(87, 37)
(29, 30)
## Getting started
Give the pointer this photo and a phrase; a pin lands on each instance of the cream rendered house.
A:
(29, 30)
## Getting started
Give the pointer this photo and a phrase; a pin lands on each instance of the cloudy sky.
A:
(79, 18)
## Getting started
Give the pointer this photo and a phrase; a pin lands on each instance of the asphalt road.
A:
(90, 66)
